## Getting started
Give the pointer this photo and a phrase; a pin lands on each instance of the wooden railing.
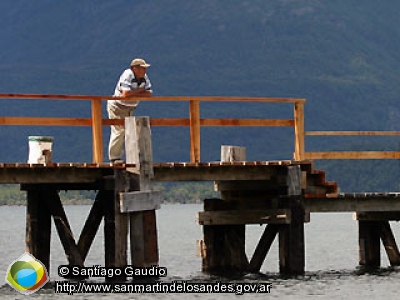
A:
(193, 121)
(352, 154)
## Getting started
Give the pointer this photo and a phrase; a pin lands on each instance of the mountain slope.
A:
(340, 55)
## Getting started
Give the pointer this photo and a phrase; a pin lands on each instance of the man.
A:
(133, 82)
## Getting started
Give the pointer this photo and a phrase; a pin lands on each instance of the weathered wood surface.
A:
(116, 225)
(233, 153)
(237, 217)
(291, 240)
(140, 201)
(63, 228)
(299, 143)
(263, 247)
(194, 113)
(89, 173)
(353, 155)
(92, 225)
(354, 203)
(353, 133)
(38, 228)
(369, 243)
(389, 242)
(141, 204)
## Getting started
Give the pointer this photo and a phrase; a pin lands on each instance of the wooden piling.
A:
(141, 205)
(38, 227)
(369, 243)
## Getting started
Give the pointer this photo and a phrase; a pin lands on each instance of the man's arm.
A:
(139, 92)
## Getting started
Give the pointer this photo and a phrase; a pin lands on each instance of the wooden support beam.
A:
(371, 204)
(299, 131)
(115, 226)
(235, 242)
(214, 258)
(378, 215)
(194, 131)
(142, 204)
(263, 247)
(291, 241)
(144, 243)
(63, 228)
(237, 217)
(97, 131)
(369, 243)
(38, 227)
(92, 225)
(389, 242)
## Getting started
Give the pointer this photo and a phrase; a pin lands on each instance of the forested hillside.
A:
(341, 56)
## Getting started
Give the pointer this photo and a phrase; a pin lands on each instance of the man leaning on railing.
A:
(132, 82)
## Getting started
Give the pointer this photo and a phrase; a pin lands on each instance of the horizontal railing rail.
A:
(352, 154)
(193, 121)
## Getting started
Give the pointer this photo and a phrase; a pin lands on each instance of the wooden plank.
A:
(249, 185)
(215, 172)
(32, 121)
(353, 155)
(353, 133)
(169, 122)
(194, 131)
(353, 204)
(140, 201)
(263, 247)
(38, 227)
(299, 130)
(97, 131)
(44, 174)
(234, 217)
(378, 216)
(207, 122)
(247, 122)
(153, 98)
(294, 181)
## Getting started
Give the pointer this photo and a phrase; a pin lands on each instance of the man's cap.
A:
(139, 62)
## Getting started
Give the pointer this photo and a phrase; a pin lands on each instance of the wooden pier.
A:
(280, 194)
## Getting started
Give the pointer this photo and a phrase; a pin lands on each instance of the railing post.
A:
(97, 131)
(194, 131)
(299, 153)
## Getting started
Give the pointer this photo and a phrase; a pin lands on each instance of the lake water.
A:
(332, 270)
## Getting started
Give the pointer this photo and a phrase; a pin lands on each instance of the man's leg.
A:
(117, 136)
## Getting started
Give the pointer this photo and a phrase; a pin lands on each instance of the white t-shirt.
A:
(128, 82)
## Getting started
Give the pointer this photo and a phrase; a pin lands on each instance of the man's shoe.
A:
(117, 161)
